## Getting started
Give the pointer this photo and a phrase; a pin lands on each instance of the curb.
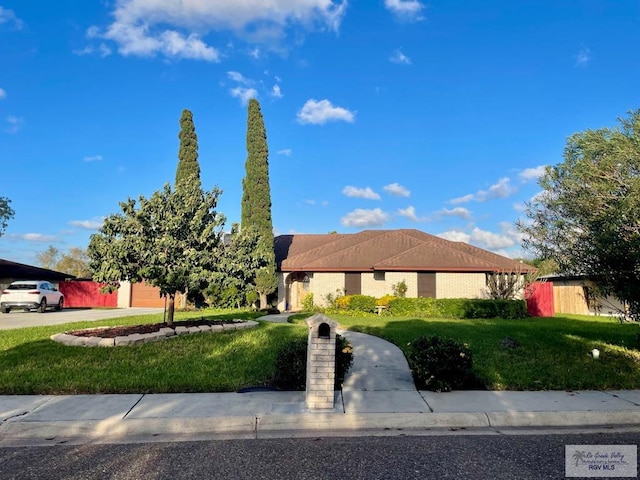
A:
(251, 426)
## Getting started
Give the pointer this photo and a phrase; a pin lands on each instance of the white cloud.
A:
(408, 10)
(136, 40)
(320, 112)
(410, 213)
(15, 124)
(102, 50)
(285, 151)
(397, 190)
(583, 57)
(529, 174)
(502, 189)
(356, 192)
(365, 218)
(94, 224)
(150, 27)
(32, 237)
(455, 236)
(255, 53)
(244, 94)
(276, 92)
(460, 212)
(9, 18)
(399, 57)
(490, 240)
(93, 158)
(3, 94)
(507, 238)
(238, 77)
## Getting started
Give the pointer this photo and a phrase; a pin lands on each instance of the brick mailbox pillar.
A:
(321, 362)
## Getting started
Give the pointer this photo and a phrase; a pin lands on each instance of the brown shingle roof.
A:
(386, 250)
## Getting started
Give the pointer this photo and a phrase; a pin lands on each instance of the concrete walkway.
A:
(378, 396)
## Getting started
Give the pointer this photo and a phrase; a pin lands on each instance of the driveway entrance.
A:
(21, 319)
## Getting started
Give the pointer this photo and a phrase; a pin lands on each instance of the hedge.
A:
(457, 308)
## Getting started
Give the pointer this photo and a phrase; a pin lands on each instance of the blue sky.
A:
(434, 115)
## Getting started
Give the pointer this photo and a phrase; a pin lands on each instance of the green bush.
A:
(440, 364)
(362, 303)
(291, 364)
(458, 308)
(307, 302)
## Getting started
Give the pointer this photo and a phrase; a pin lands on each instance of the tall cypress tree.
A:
(256, 202)
(188, 171)
(188, 167)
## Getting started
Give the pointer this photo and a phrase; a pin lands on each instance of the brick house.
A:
(372, 261)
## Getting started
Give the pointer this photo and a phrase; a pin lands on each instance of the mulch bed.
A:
(124, 330)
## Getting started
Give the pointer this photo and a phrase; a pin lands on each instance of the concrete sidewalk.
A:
(378, 395)
(52, 419)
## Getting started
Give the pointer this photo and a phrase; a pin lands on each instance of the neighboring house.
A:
(372, 261)
(12, 271)
(575, 294)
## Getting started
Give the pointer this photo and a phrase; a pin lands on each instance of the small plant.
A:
(400, 289)
(440, 364)
(307, 302)
(291, 364)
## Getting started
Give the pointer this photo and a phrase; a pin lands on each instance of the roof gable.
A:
(388, 250)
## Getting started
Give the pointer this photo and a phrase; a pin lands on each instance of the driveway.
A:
(20, 319)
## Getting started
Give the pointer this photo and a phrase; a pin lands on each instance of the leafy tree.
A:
(587, 218)
(6, 214)
(49, 258)
(74, 262)
(188, 167)
(256, 202)
(234, 285)
(169, 240)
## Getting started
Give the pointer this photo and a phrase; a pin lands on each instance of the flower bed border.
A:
(138, 338)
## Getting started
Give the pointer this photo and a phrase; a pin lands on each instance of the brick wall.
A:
(322, 284)
(461, 285)
(380, 288)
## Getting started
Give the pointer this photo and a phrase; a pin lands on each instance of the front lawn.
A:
(554, 353)
(31, 363)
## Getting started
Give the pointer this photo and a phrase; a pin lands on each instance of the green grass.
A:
(554, 353)
(31, 363)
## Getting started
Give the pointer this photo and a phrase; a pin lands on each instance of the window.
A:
(378, 276)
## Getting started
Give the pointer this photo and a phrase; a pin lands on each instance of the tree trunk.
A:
(183, 299)
(171, 309)
(263, 301)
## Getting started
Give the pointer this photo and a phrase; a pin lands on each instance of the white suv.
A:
(31, 294)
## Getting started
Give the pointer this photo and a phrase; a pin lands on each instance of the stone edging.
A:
(137, 338)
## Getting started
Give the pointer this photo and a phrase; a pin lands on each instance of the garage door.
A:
(143, 295)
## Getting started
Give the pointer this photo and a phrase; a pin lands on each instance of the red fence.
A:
(86, 293)
(540, 299)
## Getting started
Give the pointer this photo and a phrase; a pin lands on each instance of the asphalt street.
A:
(448, 456)
(20, 318)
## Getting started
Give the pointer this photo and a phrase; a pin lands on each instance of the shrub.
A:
(307, 302)
(458, 308)
(342, 303)
(384, 301)
(291, 364)
(344, 359)
(400, 289)
(362, 303)
(440, 364)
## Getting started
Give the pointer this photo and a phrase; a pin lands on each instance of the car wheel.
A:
(6, 310)
(60, 304)
(43, 306)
